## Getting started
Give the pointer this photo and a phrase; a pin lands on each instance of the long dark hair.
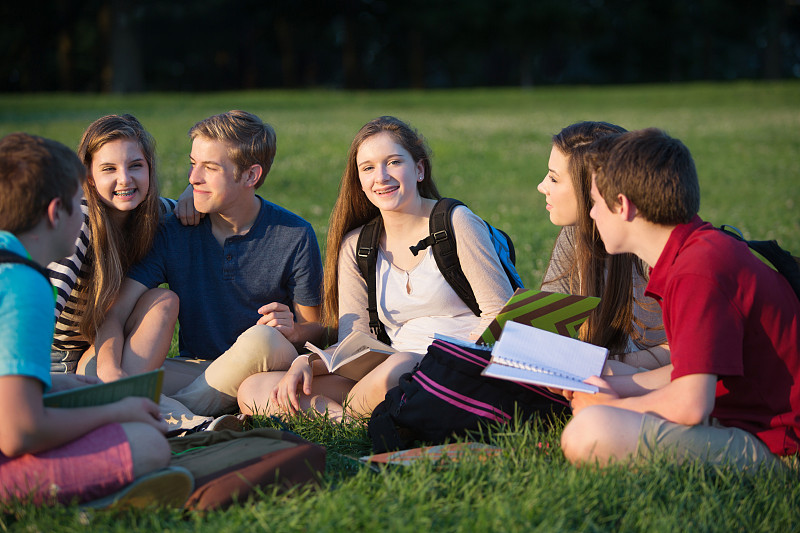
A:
(590, 270)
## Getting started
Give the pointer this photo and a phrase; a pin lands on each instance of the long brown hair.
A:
(114, 247)
(353, 209)
(591, 271)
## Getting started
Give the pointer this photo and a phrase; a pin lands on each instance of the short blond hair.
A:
(250, 140)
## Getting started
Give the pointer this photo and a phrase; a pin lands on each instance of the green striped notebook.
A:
(550, 311)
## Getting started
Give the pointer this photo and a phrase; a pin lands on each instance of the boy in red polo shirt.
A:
(732, 392)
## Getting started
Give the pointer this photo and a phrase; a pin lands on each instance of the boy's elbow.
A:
(694, 399)
(693, 415)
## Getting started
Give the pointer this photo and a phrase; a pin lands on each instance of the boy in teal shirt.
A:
(50, 454)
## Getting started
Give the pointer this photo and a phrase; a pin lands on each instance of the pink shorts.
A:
(93, 466)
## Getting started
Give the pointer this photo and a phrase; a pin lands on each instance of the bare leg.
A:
(148, 334)
(148, 331)
(254, 393)
(329, 393)
(149, 449)
(601, 434)
(372, 389)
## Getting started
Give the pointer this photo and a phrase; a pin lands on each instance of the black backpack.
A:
(11, 257)
(443, 244)
(783, 261)
(446, 396)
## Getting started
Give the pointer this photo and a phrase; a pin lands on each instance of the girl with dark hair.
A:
(626, 322)
(388, 174)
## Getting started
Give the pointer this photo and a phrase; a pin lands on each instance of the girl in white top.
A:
(388, 173)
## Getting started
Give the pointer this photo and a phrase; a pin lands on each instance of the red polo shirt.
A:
(727, 313)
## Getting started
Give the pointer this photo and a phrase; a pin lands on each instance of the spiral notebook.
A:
(531, 355)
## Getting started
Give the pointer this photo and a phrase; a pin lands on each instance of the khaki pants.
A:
(712, 443)
(209, 387)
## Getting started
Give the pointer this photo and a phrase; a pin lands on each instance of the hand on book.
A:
(285, 395)
(604, 396)
(62, 382)
(137, 409)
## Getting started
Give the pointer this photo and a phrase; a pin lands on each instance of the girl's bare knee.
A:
(254, 392)
(157, 305)
(166, 301)
(372, 389)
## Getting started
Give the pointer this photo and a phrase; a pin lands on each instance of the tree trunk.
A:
(126, 63)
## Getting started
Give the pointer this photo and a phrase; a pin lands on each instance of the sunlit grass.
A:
(490, 150)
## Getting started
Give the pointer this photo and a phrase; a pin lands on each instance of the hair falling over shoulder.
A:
(114, 247)
(352, 208)
(589, 270)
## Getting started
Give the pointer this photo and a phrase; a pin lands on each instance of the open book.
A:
(531, 355)
(354, 357)
(147, 385)
(551, 311)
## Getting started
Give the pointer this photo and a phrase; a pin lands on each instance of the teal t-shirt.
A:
(26, 317)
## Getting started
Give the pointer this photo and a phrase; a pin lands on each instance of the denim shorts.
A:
(64, 362)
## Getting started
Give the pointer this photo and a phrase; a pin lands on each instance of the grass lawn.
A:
(490, 150)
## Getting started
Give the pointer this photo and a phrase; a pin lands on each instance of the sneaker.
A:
(231, 422)
(168, 487)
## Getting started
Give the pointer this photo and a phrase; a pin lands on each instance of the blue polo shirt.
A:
(26, 317)
(222, 287)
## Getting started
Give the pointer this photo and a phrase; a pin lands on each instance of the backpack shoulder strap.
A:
(11, 257)
(783, 261)
(442, 241)
(367, 259)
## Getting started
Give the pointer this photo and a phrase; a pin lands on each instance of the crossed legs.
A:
(330, 393)
(600, 434)
(210, 387)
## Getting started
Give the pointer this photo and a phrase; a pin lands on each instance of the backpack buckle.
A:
(439, 236)
(363, 251)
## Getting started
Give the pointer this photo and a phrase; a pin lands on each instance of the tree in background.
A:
(119, 46)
